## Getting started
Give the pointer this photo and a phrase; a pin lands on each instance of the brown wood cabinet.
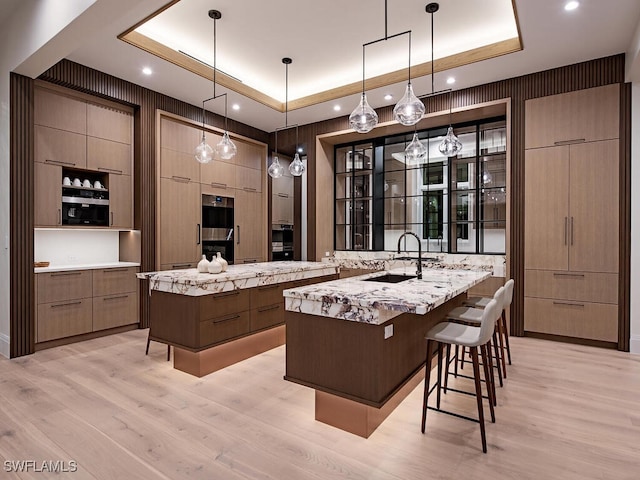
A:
(109, 124)
(180, 228)
(581, 116)
(109, 156)
(179, 165)
(47, 195)
(76, 302)
(60, 147)
(54, 109)
(218, 174)
(250, 233)
(282, 209)
(572, 215)
(120, 201)
(248, 178)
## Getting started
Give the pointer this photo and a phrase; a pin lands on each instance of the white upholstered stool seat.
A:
(455, 334)
(466, 314)
(477, 302)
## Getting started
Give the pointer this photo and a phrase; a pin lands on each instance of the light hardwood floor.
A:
(566, 412)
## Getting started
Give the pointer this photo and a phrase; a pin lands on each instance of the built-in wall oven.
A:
(282, 242)
(217, 226)
(84, 207)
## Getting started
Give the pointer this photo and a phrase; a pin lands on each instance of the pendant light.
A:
(296, 168)
(415, 151)
(450, 145)
(408, 111)
(275, 170)
(225, 149)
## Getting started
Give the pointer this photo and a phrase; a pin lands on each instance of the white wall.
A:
(76, 247)
(635, 219)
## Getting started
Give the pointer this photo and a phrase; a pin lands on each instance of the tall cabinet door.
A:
(547, 208)
(180, 233)
(593, 228)
(249, 235)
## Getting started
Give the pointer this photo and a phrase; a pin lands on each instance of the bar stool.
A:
(503, 332)
(471, 315)
(472, 337)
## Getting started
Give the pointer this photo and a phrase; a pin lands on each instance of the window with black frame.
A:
(455, 204)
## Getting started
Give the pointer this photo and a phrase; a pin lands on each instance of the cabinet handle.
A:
(220, 320)
(566, 229)
(283, 195)
(59, 216)
(249, 189)
(181, 265)
(115, 298)
(267, 287)
(114, 270)
(198, 233)
(569, 142)
(266, 309)
(112, 219)
(59, 162)
(111, 170)
(228, 294)
(570, 304)
(67, 274)
(250, 260)
(66, 304)
(568, 274)
(180, 179)
(571, 230)
(237, 234)
(219, 185)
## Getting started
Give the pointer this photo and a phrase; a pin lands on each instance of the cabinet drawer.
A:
(109, 281)
(224, 328)
(60, 286)
(594, 321)
(266, 295)
(267, 316)
(59, 147)
(223, 304)
(588, 287)
(115, 310)
(63, 319)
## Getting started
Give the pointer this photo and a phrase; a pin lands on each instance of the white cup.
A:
(86, 183)
(77, 182)
(97, 184)
(66, 181)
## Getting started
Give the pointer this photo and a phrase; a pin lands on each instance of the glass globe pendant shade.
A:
(450, 145)
(204, 153)
(226, 149)
(297, 168)
(275, 170)
(486, 177)
(363, 118)
(409, 110)
(415, 151)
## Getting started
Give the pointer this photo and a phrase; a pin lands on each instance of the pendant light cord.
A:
(286, 94)
(432, 77)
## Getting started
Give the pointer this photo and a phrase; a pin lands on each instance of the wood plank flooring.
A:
(566, 412)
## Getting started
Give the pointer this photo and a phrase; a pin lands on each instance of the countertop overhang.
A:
(190, 282)
(358, 300)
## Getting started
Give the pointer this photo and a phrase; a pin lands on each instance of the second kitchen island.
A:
(360, 341)
(215, 320)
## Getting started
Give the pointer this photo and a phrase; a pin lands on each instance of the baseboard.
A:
(634, 344)
(4, 345)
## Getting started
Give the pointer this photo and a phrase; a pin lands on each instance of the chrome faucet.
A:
(419, 266)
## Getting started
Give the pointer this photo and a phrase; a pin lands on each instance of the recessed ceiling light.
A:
(451, 80)
(336, 108)
(300, 150)
(388, 96)
(571, 5)
(147, 71)
(235, 106)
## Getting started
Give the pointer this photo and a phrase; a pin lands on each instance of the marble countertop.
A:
(190, 282)
(358, 300)
(84, 266)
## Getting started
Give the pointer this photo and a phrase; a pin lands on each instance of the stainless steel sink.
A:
(390, 278)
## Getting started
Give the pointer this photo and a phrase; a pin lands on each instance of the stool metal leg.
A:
(497, 354)
(476, 376)
(506, 335)
(427, 380)
(485, 352)
(440, 348)
(148, 342)
(168, 352)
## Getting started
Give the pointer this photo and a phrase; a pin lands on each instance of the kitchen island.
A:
(215, 320)
(359, 342)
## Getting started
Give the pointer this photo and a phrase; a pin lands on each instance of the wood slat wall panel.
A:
(624, 280)
(573, 77)
(21, 218)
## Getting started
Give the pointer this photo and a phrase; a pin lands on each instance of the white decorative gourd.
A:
(222, 261)
(214, 266)
(203, 265)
